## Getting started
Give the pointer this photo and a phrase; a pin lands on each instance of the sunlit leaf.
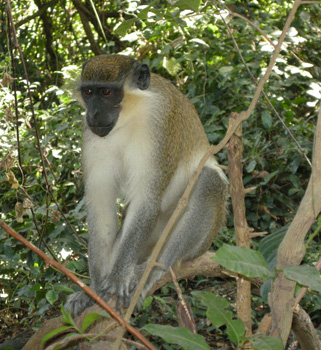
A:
(177, 335)
(244, 261)
(305, 275)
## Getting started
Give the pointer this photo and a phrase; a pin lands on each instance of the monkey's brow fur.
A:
(107, 68)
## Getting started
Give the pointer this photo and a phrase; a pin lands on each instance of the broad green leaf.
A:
(143, 14)
(267, 343)
(177, 335)
(266, 119)
(305, 275)
(270, 176)
(172, 66)
(235, 330)
(52, 296)
(54, 332)
(67, 318)
(219, 316)
(63, 288)
(226, 70)
(147, 301)
(188, 5)
(36, 287)
(251, 166)
(123, 28)
(243, 261)
(216, 306)
(210, 299)
(269, 245)
(89, 320)
(75, 265)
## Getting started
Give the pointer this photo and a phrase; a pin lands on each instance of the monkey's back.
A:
(186, 135)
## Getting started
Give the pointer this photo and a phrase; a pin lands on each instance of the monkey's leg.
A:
(195, 230)
(102, 226)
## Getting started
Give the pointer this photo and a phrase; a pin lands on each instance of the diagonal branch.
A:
(82, 285)
(292, 248)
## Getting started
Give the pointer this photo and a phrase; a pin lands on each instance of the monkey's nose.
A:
(102, 130)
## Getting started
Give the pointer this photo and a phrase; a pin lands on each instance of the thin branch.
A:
(41, 235)
(282, 293)
(37, 13)
(13, 68)
(82, 285)
(256, 83)
(242, 231)
(234, 14)
(304, 330)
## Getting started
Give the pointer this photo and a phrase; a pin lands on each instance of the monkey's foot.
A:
(78, 302)
(124, 290)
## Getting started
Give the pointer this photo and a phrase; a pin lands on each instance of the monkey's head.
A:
(103, 80)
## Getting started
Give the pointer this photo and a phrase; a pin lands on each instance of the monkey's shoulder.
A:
(162, 84)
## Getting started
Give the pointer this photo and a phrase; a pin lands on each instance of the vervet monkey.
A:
(142, 141)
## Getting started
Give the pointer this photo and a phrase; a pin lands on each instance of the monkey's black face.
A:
(103, 104)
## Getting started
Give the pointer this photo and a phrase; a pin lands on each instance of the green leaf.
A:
(147, 301)
(177, 335)
(219, 316)
(89, 320)
(216, 306)
(52, 296)
(266, 119)
(235, 330)
(54, 332)
(267, 343)
(63, 288)
(243, 261)
(188, 5)
(270, 176)
(269, 245)
(143, 14)
(226, 70)
(67, 318)
(125, 26)
(305, 275)
(211, 300)
(251, 166)
(36, 287)
(172, 66)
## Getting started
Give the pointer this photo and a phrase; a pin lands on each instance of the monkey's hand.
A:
(122, 287)
(78, 302)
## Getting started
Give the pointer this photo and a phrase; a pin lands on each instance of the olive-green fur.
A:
(182, 134)
(107, 68)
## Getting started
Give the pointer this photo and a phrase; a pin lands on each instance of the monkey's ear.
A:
(141, 76)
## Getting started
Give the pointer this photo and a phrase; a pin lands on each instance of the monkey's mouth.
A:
(102, 130)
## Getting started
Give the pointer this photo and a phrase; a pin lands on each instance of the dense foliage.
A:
(192, 49)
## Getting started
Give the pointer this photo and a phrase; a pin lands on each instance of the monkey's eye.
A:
(88, 92)
(106, 92)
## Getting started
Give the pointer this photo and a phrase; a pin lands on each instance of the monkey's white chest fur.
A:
(116, 164)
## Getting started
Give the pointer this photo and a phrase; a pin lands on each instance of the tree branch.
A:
(242, 232)
(292, 248)
(303, 328)
(83, 286)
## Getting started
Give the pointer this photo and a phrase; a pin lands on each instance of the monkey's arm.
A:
(131, 240)
(102, 229)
